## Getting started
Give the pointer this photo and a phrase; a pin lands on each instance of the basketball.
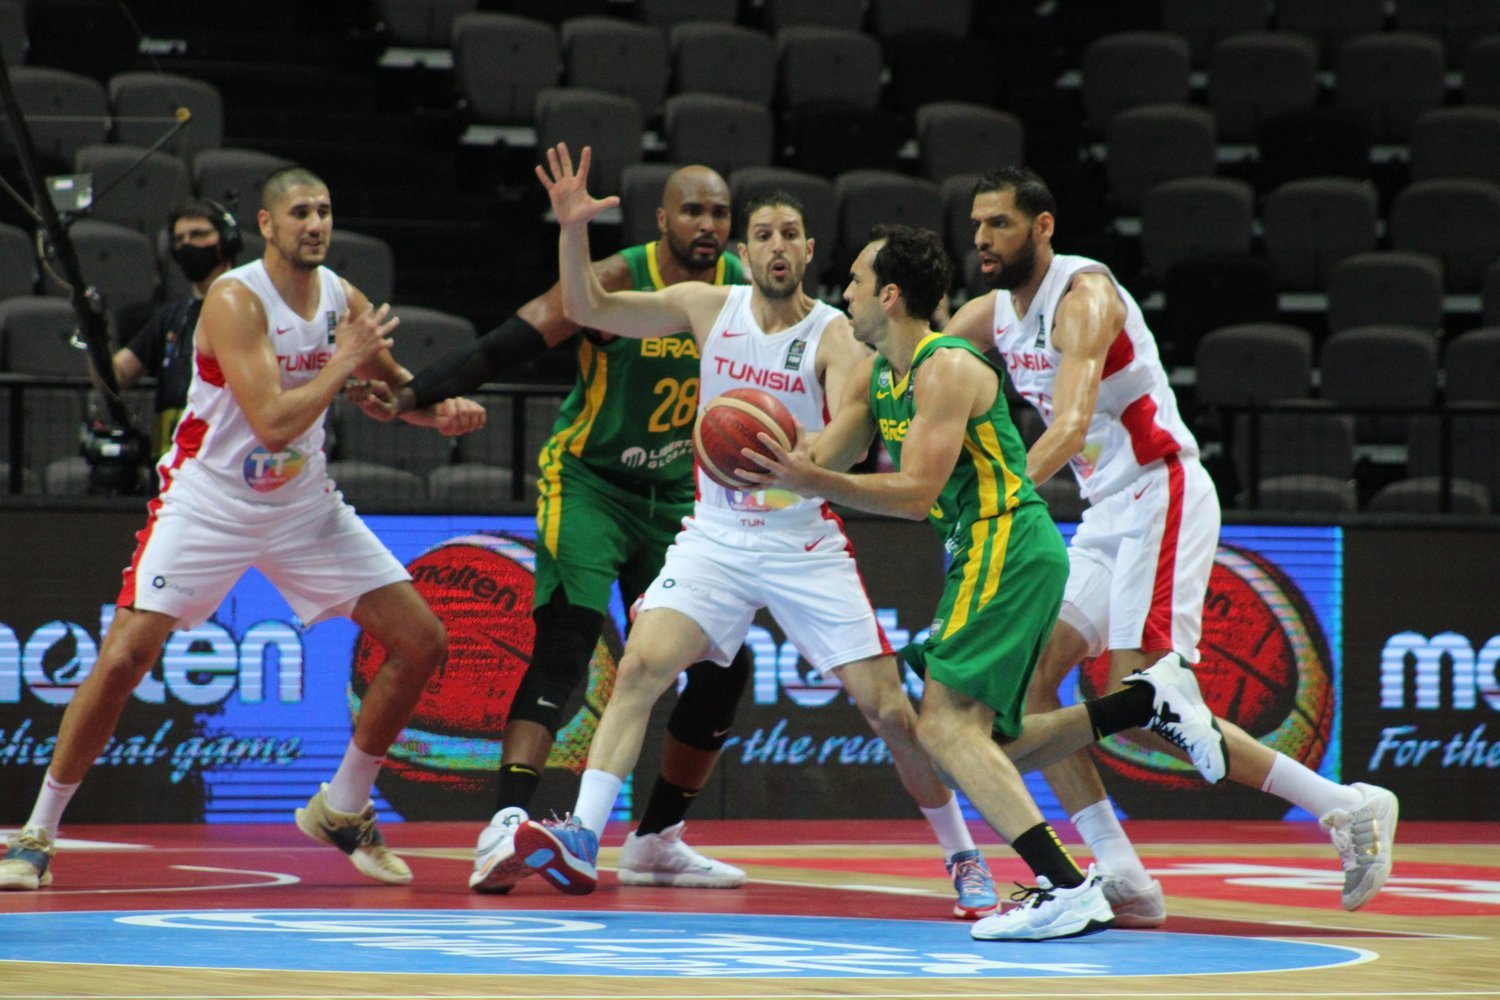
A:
(444, 764)
(1265, 667)
(731, 422)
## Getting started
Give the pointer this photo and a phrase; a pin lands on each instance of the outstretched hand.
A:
(571, 201)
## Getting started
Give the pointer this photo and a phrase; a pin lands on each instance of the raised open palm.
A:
(571, 201)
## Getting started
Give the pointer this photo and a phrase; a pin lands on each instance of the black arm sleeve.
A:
(511, 343)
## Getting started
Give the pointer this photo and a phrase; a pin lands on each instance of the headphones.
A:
(230, 240)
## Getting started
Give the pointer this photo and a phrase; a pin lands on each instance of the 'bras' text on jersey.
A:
(669, 347)
(307, 361)
(776, 381)
(893, 430)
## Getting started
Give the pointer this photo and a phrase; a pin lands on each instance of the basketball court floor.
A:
(832, 909)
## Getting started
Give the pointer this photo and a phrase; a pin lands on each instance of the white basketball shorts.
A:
(1140, 561)
(317, 552)
(719, 576)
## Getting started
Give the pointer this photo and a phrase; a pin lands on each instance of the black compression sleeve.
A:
(513, 342)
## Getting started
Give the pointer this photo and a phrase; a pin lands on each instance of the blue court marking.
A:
(682, 945)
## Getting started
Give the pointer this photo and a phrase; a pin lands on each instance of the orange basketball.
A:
(444, 764)
(1265, 666)
(731, 422)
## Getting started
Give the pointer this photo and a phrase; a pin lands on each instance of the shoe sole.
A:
(966, 913)
(543, 853)
(501, 877)
(1089, 927)
(21, 883)
(1369, 888)
(1131, 922)
(678, 880)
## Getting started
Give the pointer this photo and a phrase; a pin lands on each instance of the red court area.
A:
(824, 868)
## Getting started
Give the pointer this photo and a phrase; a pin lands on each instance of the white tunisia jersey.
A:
(1135, 420)
(214, 444)
(739, 354)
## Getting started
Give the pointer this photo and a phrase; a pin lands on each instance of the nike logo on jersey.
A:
(1142, 490)
(736, 333)
(544, 703)
(883, 394)
(810, 546)
(283, 329)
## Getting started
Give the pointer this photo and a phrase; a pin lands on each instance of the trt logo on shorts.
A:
(266, 471)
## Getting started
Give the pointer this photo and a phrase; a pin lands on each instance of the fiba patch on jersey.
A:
(267, 470)
(794, 355)
(676, 945)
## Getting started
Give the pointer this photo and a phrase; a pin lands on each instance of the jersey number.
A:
(678, 408)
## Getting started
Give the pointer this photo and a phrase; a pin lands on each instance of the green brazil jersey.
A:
(989, 478)
(630, 415)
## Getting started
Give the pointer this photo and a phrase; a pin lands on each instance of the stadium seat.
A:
(1310, 225)
(1385, 287)
(725, 133)
(614, 56)
(1390, 80)
(1130, 69)
(145, 106)
(1455, 220)
(712, 58)
(502, 63)
(1252, 78)
(132, 187)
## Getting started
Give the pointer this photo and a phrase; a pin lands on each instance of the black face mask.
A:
(196, 262)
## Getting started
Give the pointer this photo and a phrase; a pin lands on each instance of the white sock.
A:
(1113, 852)
(350, 788)
(50, 803)
(1307, 789)
(948, 823)
(596, 797)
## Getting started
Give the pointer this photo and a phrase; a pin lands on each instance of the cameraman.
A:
(205, 242)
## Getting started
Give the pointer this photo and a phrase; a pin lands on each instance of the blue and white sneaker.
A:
(562, 853)
(26, 860)
(975, 885)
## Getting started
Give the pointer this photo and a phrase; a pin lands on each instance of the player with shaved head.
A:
(616, 482)
(245, 484)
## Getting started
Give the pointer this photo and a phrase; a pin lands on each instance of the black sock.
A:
(1040, 848)
(668, 805)
(1128, 708)
(518, 783)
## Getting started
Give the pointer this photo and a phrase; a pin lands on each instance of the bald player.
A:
(616, 482)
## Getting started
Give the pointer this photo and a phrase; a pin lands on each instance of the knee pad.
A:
(565, 639)
(705, 709)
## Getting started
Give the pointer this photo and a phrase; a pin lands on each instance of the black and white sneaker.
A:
(1181, 718)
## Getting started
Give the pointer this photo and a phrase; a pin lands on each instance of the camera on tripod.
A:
(117, 456)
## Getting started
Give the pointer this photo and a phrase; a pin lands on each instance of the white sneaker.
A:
(663, 859)
(1180, 717)
(1135, 906)
(1364, 837)
(1046, 912)
(496, 867)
